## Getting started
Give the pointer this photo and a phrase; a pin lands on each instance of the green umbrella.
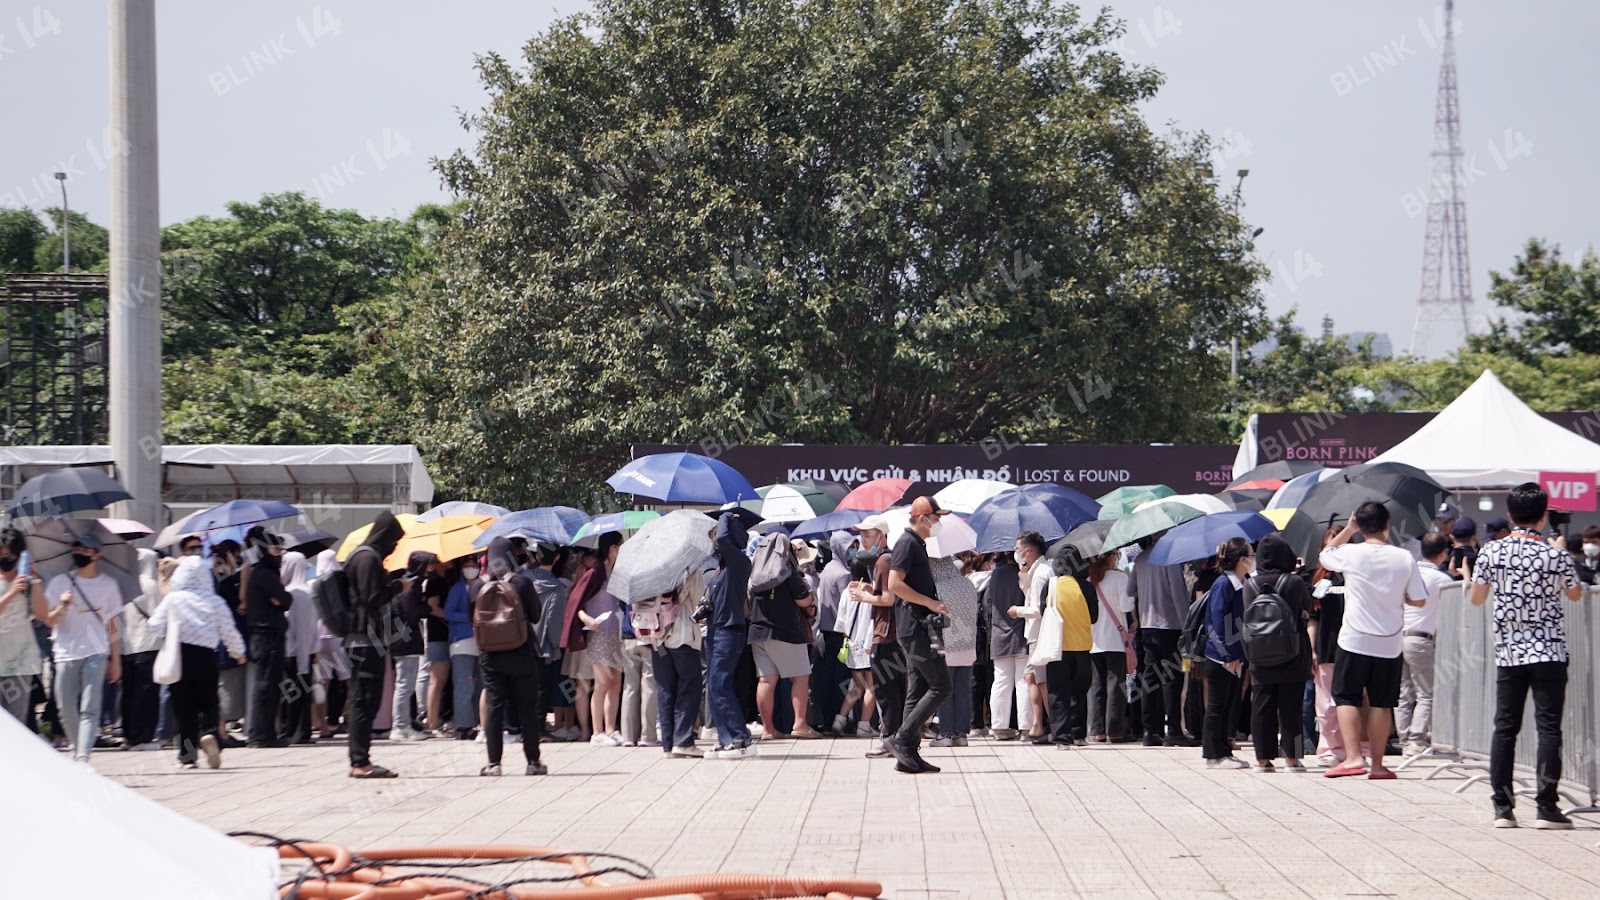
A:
(1121, 501)
(792, 502)
(627, 523)
(1148, 521)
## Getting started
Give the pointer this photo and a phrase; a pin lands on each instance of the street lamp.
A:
(66, 231)
(1233, 344)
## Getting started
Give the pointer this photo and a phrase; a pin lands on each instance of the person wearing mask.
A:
(960, 651)
(1224, 667)
(1277, 693)
(205, 622)
(20, 662)
(1068, 678)
(676, 662)
(1034, 576)
(978, 568)
(436, 643)
(640, 711)
(779, 646)
(1528, 578)
(552, 593)
(1112, 651)
(1161, 603)
(833, 678)
(141, 696)
(1327, 619)
(726, 634)
(333, 668)
(1380, 582)
(575, 642)
(511, 677)
(919, 633)
(191, 545)
(300, 650)
(266, 604)
(1588, 557)
(601, 616)
(81, 606)
(1413, 718)
(888, 665)
(1463, 548)
(1008, 641)
(227, 574)
(420, 580)
(371, 593)
(465, 663)
(853, 620)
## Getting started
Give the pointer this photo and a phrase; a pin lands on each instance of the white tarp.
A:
(1488, 438)
(75, 832)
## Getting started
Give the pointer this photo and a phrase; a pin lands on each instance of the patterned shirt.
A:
(1528, 577)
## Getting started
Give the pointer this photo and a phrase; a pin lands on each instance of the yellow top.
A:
(1074, 610)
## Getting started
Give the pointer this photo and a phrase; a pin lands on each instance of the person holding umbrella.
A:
(19, 651)
(81, 607)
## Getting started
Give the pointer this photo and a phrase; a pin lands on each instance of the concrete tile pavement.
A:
(1002, 820)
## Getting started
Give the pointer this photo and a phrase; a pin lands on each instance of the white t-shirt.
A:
(1377, 580)
(81, 633)
(1115, 604)
(1426, 618)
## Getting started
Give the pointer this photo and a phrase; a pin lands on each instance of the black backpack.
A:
(1271, 628)
(331, 596)
(1192, 643)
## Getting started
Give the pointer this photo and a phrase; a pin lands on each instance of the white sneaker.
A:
(708, 733)
(615, 737)
(942, 741)
(732, 753)
(690, 752)
(1227, 762)
(512, 738)
(212, 750)
(601, 739)
(147, 745)
(757, 731)
(839, 722)
(865, 730)
(482, 738)
(1416, 748)
(402, 734)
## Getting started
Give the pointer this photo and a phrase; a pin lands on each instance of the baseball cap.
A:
(927, 506)
(873, 522)
(1498, 523)
(92, 541)
(1464, 527)
(1446, 511)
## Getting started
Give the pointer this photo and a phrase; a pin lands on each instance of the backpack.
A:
(1192, 643)
(498, 620)
(331, 596)
(652, 620)
(771, 566)
(1271, 629)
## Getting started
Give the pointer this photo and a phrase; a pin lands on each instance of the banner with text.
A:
(1569, 491)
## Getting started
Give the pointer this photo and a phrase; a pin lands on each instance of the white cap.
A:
(873, 522)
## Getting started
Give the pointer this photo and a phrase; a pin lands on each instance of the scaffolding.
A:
(53, 351)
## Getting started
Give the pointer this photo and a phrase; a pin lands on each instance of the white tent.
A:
(74, 827)
(1487, 438)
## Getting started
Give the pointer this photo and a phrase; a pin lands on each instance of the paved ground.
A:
(1003, 820)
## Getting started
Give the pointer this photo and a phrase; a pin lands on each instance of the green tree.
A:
(927, 220)
(1555, 305)
(91, 244)
(21, 233)
(1301, 373)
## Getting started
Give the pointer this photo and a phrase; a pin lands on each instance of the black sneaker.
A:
(927, 767)
(537, 768)
(1504, 819)
(1150, 741)
(1552, 819)
(1183, 740)
(903, 755)
(909, 770)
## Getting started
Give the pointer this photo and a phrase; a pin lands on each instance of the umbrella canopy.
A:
(831, 489)
(1206, 503)
(309, 541)
(1294, 490)
(448, 538)
(626, 523)
(1001, 518)
(1198, 538)
(1121, 501)
(1282, 470)
(355, 538)
(1088, 506)
(682, 478)
(50, 545)
(1269, 485)
(1410, 495)
(62, 491)
(964, 496)
(823, 526)
(876, 495)
(550, 524)
(463, 508)
(658, 558)
(1299, 532)
(955, 536)
(235, 512)
(1088, 540)
(1148, 521)
(1254, 499)
(791, 502)
(127, 528)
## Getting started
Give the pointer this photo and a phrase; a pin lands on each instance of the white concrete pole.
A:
(135, 364)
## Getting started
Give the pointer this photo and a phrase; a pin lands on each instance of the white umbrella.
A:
(663, 552)
(964, 496)
(955, 536)
(463, 508)
(1206, 503)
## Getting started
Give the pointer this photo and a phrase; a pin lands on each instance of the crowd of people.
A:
(862, 635)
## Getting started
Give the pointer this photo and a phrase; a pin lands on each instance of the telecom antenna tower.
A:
(1446, 240)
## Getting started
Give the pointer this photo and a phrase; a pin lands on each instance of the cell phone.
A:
(25, 565)
(1321, 589)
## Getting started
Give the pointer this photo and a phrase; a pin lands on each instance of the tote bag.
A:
(1048, 650)
(169, 662)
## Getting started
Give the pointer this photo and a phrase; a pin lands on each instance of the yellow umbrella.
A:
(449, 537)
(354, 538)
(1279, 517)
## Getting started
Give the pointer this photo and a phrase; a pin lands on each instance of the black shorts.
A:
(1357, 676)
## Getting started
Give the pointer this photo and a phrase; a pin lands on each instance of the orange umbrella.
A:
(1260, 484)
(448, 538)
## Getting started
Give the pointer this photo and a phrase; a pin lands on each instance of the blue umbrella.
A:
(1295, 489)
(1087, 504)
(462, 508)
(236, 512)
(551, 524)
(822, 526)
(1198, 538)
(1002, 517)
(682, 478)
(63, 491)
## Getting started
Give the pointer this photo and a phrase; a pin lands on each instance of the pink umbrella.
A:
(877, 494)
(127, 528)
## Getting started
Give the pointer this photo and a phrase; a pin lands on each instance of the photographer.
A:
(920, 617)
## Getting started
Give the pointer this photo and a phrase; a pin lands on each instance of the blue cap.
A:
(1464, 527)
(1499, 523)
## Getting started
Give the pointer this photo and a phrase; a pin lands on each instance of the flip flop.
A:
(1343, 771)
(1383, 775)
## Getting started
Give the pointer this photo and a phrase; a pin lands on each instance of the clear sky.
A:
(1329, 105)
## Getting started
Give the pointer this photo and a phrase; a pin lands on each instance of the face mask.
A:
(1021, 558)
(935, 528)
(1591, 551)
(79, 560)
(8, 564)
(469, 573)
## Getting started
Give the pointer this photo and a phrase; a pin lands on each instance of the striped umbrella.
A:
(550, 524)
(791, 502)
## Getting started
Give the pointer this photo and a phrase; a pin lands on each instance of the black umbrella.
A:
(309, 541)
(1408, 492)
(63, 491)
(1298, 531)
(1253, 499)
(50, 544)
(1088, 540)
(1282, 470)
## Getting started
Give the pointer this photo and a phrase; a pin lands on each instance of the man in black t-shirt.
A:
(917, 603)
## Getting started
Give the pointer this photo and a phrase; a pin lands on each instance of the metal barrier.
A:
(1464, 699)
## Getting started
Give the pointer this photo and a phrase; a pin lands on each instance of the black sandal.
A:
(377, 772)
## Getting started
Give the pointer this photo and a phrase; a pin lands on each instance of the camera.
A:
(936, 624)
(702, 611)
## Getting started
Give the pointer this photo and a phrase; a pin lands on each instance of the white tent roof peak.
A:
(1487, 437)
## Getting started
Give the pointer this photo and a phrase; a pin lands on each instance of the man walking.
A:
(920, 618)
(1528, 577)
(81, 606)
(1413, 718)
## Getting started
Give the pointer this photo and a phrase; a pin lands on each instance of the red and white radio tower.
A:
(1447, 215)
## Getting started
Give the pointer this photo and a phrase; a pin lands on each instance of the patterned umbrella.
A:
(658, 558)
(236, 512)
(550, 524)
(627, 523)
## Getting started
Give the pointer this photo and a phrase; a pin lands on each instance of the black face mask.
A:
(8, 564)
(271, 561)
(79, 560)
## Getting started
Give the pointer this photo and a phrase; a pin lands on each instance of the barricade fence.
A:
(1464, 693)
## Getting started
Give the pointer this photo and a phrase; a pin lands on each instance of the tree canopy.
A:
(21, 233)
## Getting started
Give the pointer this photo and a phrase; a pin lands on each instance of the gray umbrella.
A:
(50, 544)
(657, 559)
(1088, 539)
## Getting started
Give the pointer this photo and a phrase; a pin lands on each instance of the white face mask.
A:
(933, 530)
(469, 573)
(1591, 551)
(1021, 558)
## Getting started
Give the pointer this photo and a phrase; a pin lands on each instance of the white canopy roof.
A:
(75, 826)
(1489, 438)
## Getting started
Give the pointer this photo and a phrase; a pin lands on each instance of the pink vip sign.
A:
(1571, 491)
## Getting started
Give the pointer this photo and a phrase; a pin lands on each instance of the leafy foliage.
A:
(1302, 373)
(1555, 305)
(91, 244)
(21, 233)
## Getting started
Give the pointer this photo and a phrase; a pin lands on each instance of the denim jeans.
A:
(79, 684)
(677, 677)
(405, 688)
(464, 677)
(726, 644)
(955, 716)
